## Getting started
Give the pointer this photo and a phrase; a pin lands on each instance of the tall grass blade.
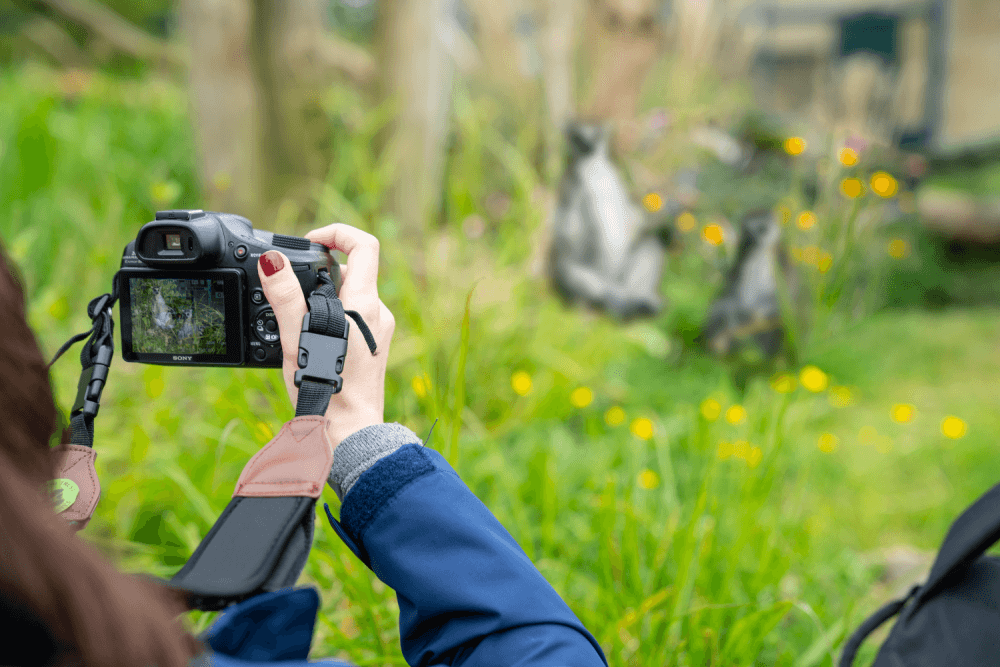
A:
(459, 407)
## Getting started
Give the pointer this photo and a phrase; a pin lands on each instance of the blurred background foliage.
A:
(691, 510)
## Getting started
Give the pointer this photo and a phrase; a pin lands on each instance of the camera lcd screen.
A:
(182, 317)
(178, 315)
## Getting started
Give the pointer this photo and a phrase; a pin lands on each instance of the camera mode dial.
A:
(265, 325)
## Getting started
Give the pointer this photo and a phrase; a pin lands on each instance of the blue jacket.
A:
(468, 594)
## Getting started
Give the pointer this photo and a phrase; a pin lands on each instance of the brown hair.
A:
(98, 616)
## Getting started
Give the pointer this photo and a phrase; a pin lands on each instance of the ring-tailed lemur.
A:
(604, 249)
(749, 307)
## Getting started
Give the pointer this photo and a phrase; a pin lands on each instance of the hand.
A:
(361, 401)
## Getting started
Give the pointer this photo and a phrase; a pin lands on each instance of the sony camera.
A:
(190, 294)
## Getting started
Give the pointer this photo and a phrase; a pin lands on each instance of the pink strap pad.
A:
(296, 462)
(76, 463)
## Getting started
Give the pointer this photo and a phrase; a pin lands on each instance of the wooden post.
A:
(558, 44)
(226, 103)
(416, 75)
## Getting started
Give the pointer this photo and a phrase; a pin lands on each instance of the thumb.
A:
(284, 292)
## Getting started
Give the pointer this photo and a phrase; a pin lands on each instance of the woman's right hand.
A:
(361, 402)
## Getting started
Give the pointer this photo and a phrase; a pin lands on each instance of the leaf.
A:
(459, 407)
(748, 632)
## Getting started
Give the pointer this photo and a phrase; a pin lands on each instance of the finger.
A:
(284, 293)
(343, 273)
(361, 249)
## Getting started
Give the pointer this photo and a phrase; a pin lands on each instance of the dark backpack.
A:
(954, 617)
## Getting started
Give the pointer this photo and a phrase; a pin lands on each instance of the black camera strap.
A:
(324, 340)
(262, 539)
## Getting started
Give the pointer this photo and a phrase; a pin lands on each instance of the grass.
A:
(680, 534)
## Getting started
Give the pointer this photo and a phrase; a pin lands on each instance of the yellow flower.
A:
(154, 387)
(712, 234)
(785, 214)
(59, 309)
(883, 184)
(783, 384)
(810, 255)
(898, 248)
(754, 457)
(614, 416)
(741, 449)
(653, 202)
(648, 479)
(736, 414)
(725, 450)
(710, 409)
(824, 262)
(795, 145)
(806, 220)
(840, 397)
(851, 187)
(848, 157)
(642, 428)
(827, 443)
(165, 193)
(902, 413)
(221, 181)
(521, 382)
(953, 427)
(813, 379)
(263, 432)
(686, 221)
(867, 435)
(421, 384)
(581, 397)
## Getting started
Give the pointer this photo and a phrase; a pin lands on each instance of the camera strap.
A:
(262, 539)
(76, 488)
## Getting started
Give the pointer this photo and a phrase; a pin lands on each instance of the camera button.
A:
(260, 354)
(257, 296)
(271, 325)
(240, 252)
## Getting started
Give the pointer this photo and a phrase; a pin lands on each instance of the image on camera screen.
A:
(178, 315)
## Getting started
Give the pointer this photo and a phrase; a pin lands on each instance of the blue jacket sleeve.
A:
(468, 594)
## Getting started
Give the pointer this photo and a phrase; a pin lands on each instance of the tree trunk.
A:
(625, 39)
(226, 104)
(296, 135)
(416, 75)
(558, 33)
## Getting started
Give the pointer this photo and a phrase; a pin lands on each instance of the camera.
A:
(190, 294)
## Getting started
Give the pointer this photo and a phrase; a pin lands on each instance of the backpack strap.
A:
(871, 624)
(972, 533)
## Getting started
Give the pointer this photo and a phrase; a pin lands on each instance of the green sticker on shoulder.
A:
(62, 493)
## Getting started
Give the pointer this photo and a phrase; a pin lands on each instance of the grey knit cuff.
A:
(361, 450)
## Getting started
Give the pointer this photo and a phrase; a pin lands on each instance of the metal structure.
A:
(873, 28)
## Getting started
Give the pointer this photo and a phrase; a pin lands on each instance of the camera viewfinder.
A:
(173, 241)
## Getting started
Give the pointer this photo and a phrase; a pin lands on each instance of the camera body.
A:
(190, 294)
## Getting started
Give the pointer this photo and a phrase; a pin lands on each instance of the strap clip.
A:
(92, 381)
(321, 358)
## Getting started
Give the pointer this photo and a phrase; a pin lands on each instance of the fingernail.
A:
(272, 262)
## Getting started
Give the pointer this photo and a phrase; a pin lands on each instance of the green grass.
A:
(668, 553)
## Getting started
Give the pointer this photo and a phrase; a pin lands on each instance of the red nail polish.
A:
(272, 262)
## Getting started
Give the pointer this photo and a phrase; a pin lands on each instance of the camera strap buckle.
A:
(321, 357)
(92, 381)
